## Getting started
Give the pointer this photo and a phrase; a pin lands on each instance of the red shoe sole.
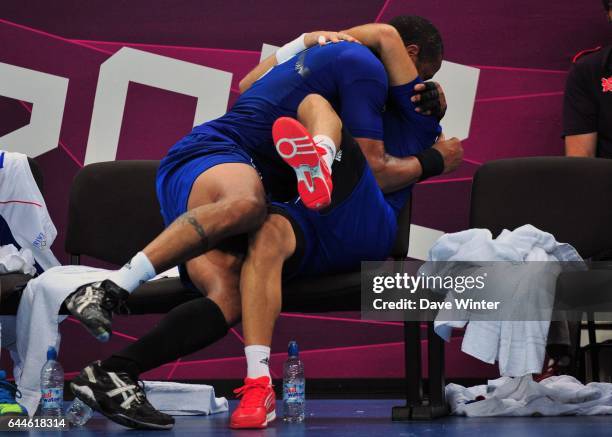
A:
(297, 148)
(269, 418)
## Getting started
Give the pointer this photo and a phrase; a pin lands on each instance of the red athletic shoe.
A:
(295, 145)
(258, 405)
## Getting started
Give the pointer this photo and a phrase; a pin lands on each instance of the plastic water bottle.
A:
(294, 386)
(78, 413)
(52, 386)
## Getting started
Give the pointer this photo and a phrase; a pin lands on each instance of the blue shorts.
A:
(188, 159)
(360, 227)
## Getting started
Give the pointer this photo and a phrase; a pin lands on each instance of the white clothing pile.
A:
(16, 261)
(37, 329)
(554, 396)
(518, 346)
(25, 225)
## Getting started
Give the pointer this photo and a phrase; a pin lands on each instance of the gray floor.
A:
(369, 418)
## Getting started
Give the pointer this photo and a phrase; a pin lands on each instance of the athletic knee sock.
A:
(137, 271)
(121, 364)
(258, 361)
(186, 329)
(330, 148)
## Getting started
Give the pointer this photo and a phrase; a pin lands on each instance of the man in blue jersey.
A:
(225, 144)
(212, 185)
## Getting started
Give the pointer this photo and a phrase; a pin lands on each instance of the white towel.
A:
(554, 396)
(16, 261)
(24, 222)
(518, 346)
(37, 324)
(178, 399)
(37, 329)
(13, 261)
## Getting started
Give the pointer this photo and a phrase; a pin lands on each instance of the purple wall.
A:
(523, 49)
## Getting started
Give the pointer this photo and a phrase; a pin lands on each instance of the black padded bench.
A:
(114, 213)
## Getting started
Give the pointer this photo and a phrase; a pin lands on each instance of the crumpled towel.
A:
(178, 399)
(554, 396)
(16, 261)
(37, 329)
(517, 346)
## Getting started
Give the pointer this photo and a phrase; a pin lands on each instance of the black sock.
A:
(121, 364)
(185, 329)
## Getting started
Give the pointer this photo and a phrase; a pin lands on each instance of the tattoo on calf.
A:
(188, 218)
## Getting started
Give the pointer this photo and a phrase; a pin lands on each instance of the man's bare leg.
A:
(260, 287)
(187, 328)
(192, 325)
(260, 280)
(225, 200)
(261, 277)
(318, 116)
(260, 283)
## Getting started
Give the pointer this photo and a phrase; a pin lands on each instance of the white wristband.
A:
(291, 49)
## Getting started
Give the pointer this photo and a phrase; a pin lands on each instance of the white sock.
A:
(258, 361)
(328, 144)
(137, 271)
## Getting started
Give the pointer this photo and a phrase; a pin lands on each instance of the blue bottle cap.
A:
(293, 349)
(2, 374)
(51, 353)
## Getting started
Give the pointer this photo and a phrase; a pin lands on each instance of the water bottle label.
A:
(52, 398)
(293, 392)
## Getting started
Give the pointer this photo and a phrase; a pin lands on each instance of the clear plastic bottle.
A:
(294, 386)
(78, 413)
(52, 386)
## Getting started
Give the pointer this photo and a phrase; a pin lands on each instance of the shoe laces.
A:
(139, 392)
(117, 305)
(133, 393)
(253, 392)
(8, 392)
(111, 301)
(108, 300)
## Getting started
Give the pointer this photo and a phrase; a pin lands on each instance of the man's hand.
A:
(429, 99)
(452, 152)
(321, 37)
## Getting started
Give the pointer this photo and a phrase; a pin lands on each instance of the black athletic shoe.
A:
(93, 305)
(118, 396)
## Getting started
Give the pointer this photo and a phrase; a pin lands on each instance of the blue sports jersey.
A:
(364, 225)
(406, 133)
(347, 74)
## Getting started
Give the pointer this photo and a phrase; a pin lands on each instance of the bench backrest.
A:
(569, 197)
(113, 211)
(37, 173)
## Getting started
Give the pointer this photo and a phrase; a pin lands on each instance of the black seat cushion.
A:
(339, 292)
(326, 293)
(156, 297)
